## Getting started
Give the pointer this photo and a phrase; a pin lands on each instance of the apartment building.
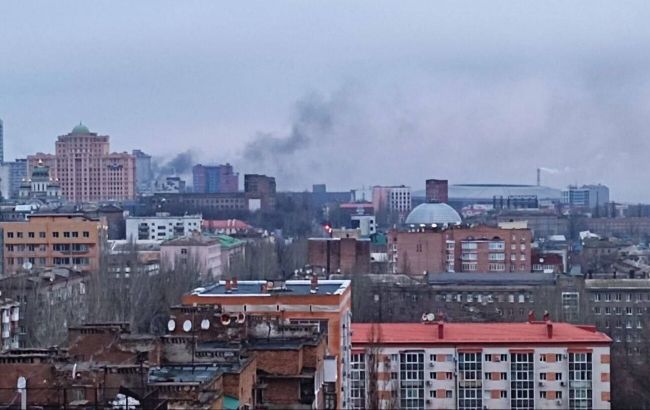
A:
(86, 169)
(161, 227)
(195, 251)
(326, 304)
(438, 365)
(260, 191)
(426, 247)
(10, 314)
(620, 308)
(391, 199)
(53, 240)
(214, 178)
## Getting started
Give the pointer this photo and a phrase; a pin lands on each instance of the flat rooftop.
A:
(183, 374)
(617, 284)
(290, 288)
(490, 278)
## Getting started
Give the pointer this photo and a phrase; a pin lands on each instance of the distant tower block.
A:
(437, 190)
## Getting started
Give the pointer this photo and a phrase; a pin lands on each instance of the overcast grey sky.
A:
(346, 93)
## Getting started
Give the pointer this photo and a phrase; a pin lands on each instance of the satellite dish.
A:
(431, 317)
(27, 265)
(171, 325)
(187, 325)
(22, 383)
(205, 324)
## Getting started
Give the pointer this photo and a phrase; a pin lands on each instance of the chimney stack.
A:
(539, 176)
(234, 283)
(441, 330)
(228, 287)
(314, 284)
(531, 316)
(549, 330)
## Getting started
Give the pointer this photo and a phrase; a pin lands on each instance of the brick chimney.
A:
(314, 284)
(549, 330)
(441, 330)
(531, 316)
(234, 283)
(228, 286)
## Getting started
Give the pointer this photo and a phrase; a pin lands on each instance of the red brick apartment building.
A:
(423, 249)
(437, 365)
(340, 255)
(325, 303)
(53, 240)
(209, 359)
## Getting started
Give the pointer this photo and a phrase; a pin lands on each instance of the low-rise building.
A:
(10, 314)
(198, 252)
(50, 300)
(161, 227)
(440, 365)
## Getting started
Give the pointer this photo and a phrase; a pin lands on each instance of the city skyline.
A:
(323, 93)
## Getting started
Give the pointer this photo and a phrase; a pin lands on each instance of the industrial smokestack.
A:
(539, 176)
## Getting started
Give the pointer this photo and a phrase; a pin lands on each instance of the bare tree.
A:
(124, 290)
(381, 390)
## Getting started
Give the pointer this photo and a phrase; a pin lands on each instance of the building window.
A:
(570, 306)
(55, 234)
(31, 235)
(10, 234)
(41, 234)
(86, 234)
(580, 389)
(66, 234)
(358, 381)
(411, 380)
(522, 380)
(503, 394)
(469, 377)
(19, 234)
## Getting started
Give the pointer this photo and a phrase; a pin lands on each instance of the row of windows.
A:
(483, 298)
(618, 310)
(49, 261)
(618, 297)
(59, 247)
(55, 234)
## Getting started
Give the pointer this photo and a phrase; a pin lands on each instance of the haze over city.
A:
(339, 93)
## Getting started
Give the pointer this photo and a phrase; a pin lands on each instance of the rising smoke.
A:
(465, 129)
(180, 164)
